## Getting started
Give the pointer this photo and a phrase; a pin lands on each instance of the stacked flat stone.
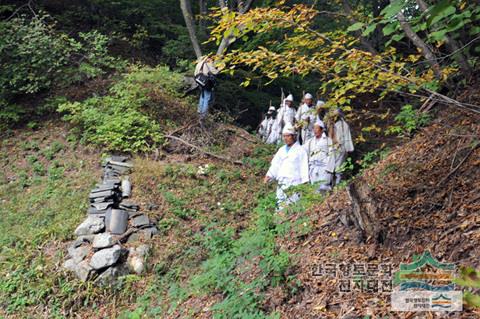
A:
(111, 241)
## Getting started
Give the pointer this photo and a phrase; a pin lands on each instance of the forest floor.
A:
(221, 250)
(427, 194)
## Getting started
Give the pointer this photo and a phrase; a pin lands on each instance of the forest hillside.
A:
(121, 198)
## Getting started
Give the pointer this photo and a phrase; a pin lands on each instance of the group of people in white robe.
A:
(313, 152)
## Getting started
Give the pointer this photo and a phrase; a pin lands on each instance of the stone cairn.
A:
(111, 241)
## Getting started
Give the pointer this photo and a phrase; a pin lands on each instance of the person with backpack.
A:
(205, 73)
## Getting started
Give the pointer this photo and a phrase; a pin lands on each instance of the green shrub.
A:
(222, 271)
(52, 150)
(408, 121)
(122, 120)
(31, 54)
(160, 77)
(34, 58)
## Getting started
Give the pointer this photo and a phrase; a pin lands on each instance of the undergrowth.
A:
(241, 266)
(126, 119)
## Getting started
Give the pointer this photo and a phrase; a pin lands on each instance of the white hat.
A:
(319, 123)
(289, 129)
(271, 109)
(308, 96)
(289, 98)
(320, 103)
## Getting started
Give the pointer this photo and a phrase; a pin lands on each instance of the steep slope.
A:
(223, 252)
(426, 193)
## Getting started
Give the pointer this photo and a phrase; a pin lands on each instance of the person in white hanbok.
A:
(275, 134)
(305, 117)
(319, 149)
(289, 167)
(339, 131)
(286, 114)
(265, 127)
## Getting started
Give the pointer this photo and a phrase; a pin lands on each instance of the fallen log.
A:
(226, 159)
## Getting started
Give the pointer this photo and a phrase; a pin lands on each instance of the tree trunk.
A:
(203, 13)
(365, 43)
(187, 15)
(452, 45)
(243, 6)
(365, 210)
(420, 44)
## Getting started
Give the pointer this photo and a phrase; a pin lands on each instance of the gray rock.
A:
(106, 257)
(135, 263)
(136, 258)
(140, 221)
(70, 265)
(125, 204)
(82, 240)
(126, 187)
(118, 221)
(132, 213)
(109, 276)
(150, 231)
(135, 237)
(82, 269)
(91, 225)
(103, 240)
(78, 253)
(142, 235)
(142, 250)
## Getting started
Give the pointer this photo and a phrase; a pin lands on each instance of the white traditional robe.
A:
(262, 129)
(319, 151)
(275, 134)
(289, 167)
(345, 145)
(306, 114)
(266, 127)
(286, 115)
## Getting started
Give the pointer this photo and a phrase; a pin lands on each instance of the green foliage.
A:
(442, 18)
(48, 214)
(470, 279)
(373, 157)
(231, 259)
(35, 57)
(408, 121)
(52, 150)
(261, 156)
(111, 122)
(31, 54)
(179, 206)
(10, 114)
(120, 121)
(142, 78)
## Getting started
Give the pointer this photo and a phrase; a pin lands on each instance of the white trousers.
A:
(283, 199)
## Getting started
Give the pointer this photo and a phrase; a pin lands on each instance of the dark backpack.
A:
(205, 81)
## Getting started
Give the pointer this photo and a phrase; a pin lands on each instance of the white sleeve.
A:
(348, 139)
(274, 166)
(280, 115)
(303, 162)
(298, 115)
